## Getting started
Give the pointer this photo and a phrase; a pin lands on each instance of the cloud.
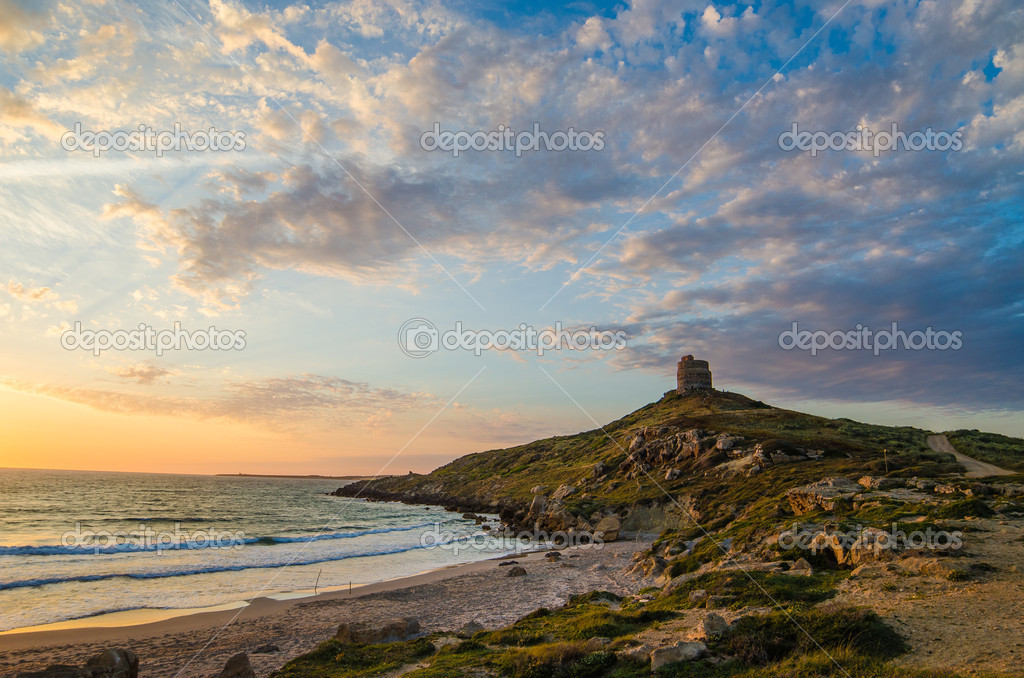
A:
(41, 296)
(21, 24)
(18, 113)
(142, 373)
(741, 239)
(289, 403)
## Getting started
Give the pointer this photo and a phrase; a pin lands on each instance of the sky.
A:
(327, 232)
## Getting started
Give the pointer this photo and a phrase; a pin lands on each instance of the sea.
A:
(98, 548)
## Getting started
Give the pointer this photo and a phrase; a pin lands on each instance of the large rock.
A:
(367, 633)
(516, 571)
(537, 506)
(825, 494)
(711, 626)
(111, 663)
(726, 442)
(877, 483)
(873, 545)
(680, 652)
(562, 492)
(238, 667)
(608, 528)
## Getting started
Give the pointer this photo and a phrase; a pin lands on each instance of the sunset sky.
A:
(691, 230)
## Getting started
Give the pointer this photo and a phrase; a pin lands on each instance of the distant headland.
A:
(281, 475)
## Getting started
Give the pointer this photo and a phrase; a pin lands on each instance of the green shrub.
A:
(759, 640)
(962, 509)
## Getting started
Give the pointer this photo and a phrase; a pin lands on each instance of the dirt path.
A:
(973, 627)
(975, 468)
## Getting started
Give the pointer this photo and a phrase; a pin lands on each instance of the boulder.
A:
(726, 442)
(515, 571)
(608, 528)
(237, 667)
(711, 626)
(680, 652)
(698, 596)
(367, 633)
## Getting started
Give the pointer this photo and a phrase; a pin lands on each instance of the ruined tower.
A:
(692, 375)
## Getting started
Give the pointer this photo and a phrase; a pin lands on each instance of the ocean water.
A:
(77, 544)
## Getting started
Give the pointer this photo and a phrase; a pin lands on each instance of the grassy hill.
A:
(506, 477)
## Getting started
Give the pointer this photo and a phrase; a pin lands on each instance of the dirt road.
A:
(975, 468)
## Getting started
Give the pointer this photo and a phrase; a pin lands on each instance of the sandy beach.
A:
(443, 599)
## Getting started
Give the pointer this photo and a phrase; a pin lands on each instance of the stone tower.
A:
(692, 375)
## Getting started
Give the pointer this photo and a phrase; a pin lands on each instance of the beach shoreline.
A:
(441, 599)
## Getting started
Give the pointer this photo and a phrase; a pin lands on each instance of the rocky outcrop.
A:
(669, 452)
(366, 633)
(825, 494)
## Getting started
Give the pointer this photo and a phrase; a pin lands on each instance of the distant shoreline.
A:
(282, 475)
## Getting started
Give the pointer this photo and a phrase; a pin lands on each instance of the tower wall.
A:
(692, 375)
